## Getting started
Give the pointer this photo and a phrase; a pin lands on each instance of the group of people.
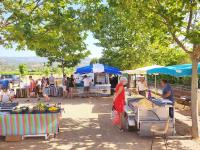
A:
(119, 98)
(69, 83)
(44, 87)
(41, 87)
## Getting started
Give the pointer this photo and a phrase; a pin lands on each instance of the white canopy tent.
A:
(142, 70)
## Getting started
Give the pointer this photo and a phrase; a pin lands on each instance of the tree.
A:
(46, 71)
(94, 61)
(64, 57)
(23, 70)
(129, 44)
(51, 28)
(146, 22)
(180, 20)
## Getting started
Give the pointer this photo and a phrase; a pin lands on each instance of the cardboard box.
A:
(13, 138)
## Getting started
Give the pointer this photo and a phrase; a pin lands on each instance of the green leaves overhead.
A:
(145, 32)
(51, 28)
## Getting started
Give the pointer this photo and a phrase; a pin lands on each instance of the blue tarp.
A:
(89, 69)
(176, 70)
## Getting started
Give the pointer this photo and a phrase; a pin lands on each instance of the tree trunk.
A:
(63, 68)
(194, 100)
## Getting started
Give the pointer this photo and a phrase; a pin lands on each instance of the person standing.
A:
(167, 93)
(142, 86)
(52, 87)
(45, 91)
(86, 84)
(71, 85)
(119, 100)
(32, 87)
(52, 80)
(64, 85)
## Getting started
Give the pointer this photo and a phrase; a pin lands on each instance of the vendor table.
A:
(29, 124)
(22, 92)
(97, 90)
(144, 113)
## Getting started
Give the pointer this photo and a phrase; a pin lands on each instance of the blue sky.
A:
(95, 51)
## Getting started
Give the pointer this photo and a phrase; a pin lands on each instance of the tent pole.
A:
(155, 86)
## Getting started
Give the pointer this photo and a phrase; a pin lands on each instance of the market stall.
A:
(142, 114)
(99, 75)
(134, 74)
(41, 120)
(182, 70)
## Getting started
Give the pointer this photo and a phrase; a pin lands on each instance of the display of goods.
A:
(143, 103)
(24, 109)
(40, 108)
(53, 109)
(16, 111)
(7, 107)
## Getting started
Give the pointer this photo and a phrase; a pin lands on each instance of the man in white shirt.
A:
(86, 84)
(142, 86)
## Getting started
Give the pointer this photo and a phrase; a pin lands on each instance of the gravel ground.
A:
(86, 124)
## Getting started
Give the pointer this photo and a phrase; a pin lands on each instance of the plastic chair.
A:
(160, 131)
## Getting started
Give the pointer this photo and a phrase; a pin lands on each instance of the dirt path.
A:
(85, 125)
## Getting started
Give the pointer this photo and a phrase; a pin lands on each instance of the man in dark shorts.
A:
(167, 93)
(71, 85)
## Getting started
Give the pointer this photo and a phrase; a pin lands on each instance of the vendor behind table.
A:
(142, 86)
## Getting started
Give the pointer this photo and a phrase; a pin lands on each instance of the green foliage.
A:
(94, 61)
(145, 32)
(23, 70)
(46, 71)
(51, 28)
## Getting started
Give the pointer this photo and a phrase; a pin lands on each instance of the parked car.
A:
(11, 78)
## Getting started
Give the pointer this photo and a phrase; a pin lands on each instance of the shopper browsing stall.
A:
(52, 87)
(119, 100)
(71, 84)
(32, 86)
(86, 84)
(64, 85)
(45, 91)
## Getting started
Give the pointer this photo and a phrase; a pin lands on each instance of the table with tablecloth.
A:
(29, 124)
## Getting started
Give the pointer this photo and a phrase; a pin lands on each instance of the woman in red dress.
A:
(119, 99)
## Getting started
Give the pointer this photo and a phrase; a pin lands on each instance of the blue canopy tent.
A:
(175, 70)
(98, 68)
(100, 75)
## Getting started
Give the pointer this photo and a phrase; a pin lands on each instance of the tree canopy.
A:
(51, 28)
(133, 34)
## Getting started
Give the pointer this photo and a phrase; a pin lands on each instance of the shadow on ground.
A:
(87, 125)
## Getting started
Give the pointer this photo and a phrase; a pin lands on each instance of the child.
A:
(45, 92)
(5, 96)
